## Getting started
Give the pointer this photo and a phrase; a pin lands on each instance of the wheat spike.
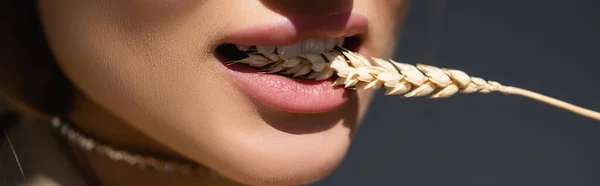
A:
(357, 72)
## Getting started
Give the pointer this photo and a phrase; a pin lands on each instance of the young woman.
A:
(143, 96)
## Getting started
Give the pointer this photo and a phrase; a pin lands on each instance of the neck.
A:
(103, 126)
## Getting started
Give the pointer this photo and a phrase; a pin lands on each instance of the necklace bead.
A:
(140, 161)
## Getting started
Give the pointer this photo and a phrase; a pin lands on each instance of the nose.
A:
(308, 7)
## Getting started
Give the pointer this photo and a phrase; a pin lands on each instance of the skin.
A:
(147, 80)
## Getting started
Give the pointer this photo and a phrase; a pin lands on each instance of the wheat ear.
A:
(357, 72)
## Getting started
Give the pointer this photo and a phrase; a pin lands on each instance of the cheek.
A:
(154, 68)
(364, 100)
(158, 75)
(134, 52)
(383, 27)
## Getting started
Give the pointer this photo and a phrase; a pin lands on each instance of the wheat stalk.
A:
(357, 72)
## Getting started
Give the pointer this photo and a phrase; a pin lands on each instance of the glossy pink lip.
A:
(294, 95)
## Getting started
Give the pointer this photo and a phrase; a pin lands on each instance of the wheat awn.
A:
(357, 72)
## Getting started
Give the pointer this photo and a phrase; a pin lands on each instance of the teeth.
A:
(308, 46)
(266, 49)
(340, 42)
(313, 46)
(330, 44)
(290, 51)
(243, 48)
(316, 59)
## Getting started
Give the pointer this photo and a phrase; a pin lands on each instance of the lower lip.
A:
(289, 94)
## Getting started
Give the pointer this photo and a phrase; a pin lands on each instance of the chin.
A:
(294, 164)
(302, 149)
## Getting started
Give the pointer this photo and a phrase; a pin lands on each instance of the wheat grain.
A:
(357, 72)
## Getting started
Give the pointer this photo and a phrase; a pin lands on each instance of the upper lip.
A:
(294, 29)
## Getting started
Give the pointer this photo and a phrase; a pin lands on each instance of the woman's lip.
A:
(293, 29)
(292, 95)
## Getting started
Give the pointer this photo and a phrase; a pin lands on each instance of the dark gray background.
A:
(550, 46)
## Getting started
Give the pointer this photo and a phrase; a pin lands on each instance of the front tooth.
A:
(290, 51)
(340, 42)
(243, 48)
(266, 49)
(313, 46)
(330, 44)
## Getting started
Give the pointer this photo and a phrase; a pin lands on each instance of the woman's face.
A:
(153, 64)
